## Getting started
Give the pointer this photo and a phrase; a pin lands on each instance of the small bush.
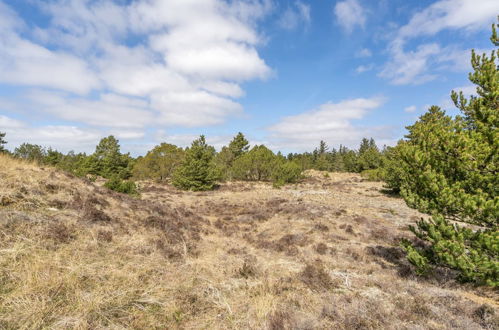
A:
(316, 277)
(286, 172)
(377, 174)
(121, 186)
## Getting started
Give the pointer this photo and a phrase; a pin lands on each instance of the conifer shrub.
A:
(197, 171)
(376, 174)
(286, 172)
(122, 186)
(449, 168)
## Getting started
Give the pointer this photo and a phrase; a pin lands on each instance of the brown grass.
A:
(321, 254)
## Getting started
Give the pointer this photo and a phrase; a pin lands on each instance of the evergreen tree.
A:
(225, 158)
(197, 171)
(109, 161)
(451, 170)
(369, 157)
(2, 142)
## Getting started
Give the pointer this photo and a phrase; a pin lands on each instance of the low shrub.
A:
(121, 186)
(286, 172)
(377, 174)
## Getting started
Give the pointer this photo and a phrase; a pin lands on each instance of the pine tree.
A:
(110, 161)
(2, 142)
(450, 169)
(225, 158)
(197, 171)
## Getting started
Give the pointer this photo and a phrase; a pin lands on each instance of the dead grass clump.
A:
(361, 219)
(249, 268)
(340, 212)
(236, 251)
(382, 233)
(358, 313)
(52, 188)
(6, 200)
(321, 227)
(348, 229)
(105, 236)
(57, 203)
(281, 320)
(228, 229)
(178, 225)
(487, 317)
(321, 248)
(93, 215)
(317, 278)
(287, 244)
(59, 232)
(170, 251)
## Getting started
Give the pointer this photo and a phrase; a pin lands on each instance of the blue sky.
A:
(285, 73)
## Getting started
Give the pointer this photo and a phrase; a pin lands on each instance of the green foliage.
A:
(197, 170)
(224, 160)
(121, 186)
(31, 152)
(369, 157)
(159, 163)
(449, 168)
(393, 169)
(285, 172)
(109, 161)
(255, 165)
(53, 157)
(2, 142)
(377, 174)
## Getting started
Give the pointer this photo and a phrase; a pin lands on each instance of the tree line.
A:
(200, 166)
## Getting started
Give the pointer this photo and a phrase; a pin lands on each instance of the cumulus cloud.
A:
(60, 137)
(350, 14)
(423, 63)
(410, 108)
(332, 122)
(128, 66)
(294, 16)
(364, 68)
(451, 14)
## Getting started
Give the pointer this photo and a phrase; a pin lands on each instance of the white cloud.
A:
(364, 52)
(451, 14)
(60, 137)
(25, 63)
(411, 108)
(364, 68)
(149, 63)
(6, 122)
(294, 16)
(427, 60)
(331, 122)
(467, 90)
(109, 110)
(349, 14)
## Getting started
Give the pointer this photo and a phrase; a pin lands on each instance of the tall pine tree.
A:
(451, 170)
(2, 142)
(197, 171)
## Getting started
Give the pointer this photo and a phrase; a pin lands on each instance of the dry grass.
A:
(322, 254)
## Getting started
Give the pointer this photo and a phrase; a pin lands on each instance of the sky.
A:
(286, 73)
